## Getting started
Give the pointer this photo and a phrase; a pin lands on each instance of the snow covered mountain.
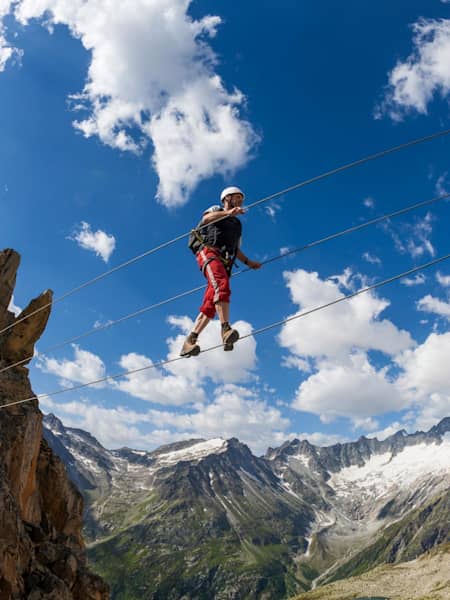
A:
(208, 517)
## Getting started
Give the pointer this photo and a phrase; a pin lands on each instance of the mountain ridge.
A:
(209, 517)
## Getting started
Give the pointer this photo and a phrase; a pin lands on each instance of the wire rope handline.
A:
(253, 333)
(291, 188)
(145, 309)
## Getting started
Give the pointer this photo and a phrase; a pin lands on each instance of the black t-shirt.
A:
(224, 235)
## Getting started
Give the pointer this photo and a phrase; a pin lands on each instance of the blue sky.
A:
(119, 127)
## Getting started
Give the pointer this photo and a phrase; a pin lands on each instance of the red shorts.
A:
(218, 289)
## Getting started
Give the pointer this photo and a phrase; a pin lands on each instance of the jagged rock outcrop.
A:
(42, 554)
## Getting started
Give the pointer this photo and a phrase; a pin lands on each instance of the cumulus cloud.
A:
(433, 305)
(103, 244)
(113, 427)
(335, 331)
(174, 384)
(436, 407)
(156, 386)
(424, 379)
(234, 411)
(418, 279)
(7, 52)
(444, 280)
(152, 79)
(334, 344)
(84, 368)
(151, 384)
(414, 82)
(425, 368)
(355, 390)
(391, 429)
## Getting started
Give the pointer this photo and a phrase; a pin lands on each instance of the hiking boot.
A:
(190, 346)
(229, 337)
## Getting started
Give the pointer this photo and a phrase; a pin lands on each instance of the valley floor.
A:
(426, 578)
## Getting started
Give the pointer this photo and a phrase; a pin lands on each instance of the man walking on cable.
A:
(216, 244)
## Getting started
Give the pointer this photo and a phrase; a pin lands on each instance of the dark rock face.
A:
(42, 553)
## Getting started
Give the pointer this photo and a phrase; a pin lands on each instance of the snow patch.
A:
(195, 452)
(384, 472)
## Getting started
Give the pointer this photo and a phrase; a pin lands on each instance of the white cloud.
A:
(6, 50)
(391, 429)
(413, 239)
(113, 427)
(103, 244)
(425, 73)
(217, 365)
(99, 324)
(433, 305)
(444, 280)
(418, 279)
(334, 343)
(13, 308)
(335, 331)
(436, 407)
(296, 362)
(424, 379)
(235, 412)
(419, 243)
(155, 386)
(425, 368)
(366, 423)
(152, 78)
(355, 390)
(177, 383)
(441, 185)
(85, 367)
(272, 210)
(371, 258)
(369, 202)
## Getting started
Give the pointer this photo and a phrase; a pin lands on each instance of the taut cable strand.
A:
(297, 186)
(145, 309)
(254, 333)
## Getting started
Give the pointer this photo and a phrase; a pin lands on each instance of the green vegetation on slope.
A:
(426, 578)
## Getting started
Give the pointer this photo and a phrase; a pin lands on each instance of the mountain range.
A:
(203, 519)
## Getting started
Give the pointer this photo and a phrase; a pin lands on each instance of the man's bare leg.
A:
(200, 323)
(223, 310)
(190, 346)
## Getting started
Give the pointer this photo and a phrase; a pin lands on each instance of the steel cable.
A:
(201, 287)
(254, 333)
(262, 200)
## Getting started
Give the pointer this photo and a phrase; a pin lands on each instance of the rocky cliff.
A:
(42, 553)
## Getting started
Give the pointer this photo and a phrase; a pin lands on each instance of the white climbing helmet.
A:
(231, 190)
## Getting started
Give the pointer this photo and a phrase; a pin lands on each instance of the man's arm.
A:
(253, 264)
(210, 217)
